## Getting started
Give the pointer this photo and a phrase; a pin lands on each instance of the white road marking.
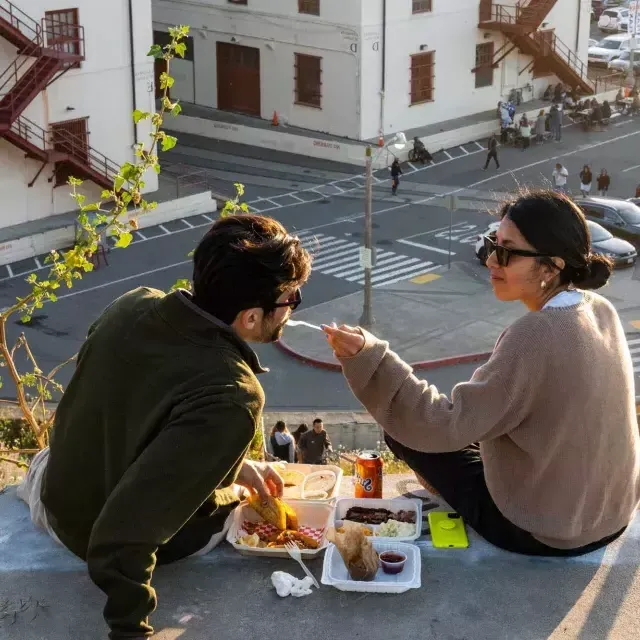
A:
(163, 228)
(637, 166)
(414, 168)
(347, 256)
(354, 265)
(463, 149)
(426, 246)
(446, 153)
(187, 223)
(404, 262)
(206, 217)
(480, 146)
(409, 274)
(10, 271)
(37, 263)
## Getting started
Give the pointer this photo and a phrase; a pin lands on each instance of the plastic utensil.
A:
(294, 552)
(302, 323)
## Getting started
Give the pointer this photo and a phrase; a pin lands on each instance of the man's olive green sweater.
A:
(152, 428)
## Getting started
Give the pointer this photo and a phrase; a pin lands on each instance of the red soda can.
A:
(368, 475)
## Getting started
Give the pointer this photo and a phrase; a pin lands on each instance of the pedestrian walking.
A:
(559, 178)
(396, 172)
(556, 122)
(541, 126)
(603, 183)
(525, 132)
(492, 147)
(586, 178)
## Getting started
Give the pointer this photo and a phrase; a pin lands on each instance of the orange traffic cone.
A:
(274, 121)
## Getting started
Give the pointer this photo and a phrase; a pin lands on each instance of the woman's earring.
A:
(543, 285)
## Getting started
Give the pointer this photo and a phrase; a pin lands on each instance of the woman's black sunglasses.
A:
(294, 302)
(503, 254)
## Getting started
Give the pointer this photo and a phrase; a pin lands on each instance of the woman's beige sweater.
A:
(553, 410)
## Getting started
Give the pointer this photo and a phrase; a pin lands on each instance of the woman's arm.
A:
(495, 401)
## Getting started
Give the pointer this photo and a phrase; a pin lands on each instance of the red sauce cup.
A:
(392, 561)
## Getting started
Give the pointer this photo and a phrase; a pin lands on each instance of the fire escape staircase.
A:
(42, 57)
(520, 24)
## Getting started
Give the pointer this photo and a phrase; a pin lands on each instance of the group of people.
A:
(538, 452)
(598, 114)
(560, 177)
(522, 132)
(303, 445)
(633, 108)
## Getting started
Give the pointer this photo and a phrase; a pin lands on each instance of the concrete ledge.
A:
(63, 236)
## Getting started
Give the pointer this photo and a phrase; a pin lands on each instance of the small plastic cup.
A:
(392, 561)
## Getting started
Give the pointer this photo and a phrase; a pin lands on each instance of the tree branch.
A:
(18, 463)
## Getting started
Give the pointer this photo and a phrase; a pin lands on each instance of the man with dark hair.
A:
(314, 444)
(151, 433)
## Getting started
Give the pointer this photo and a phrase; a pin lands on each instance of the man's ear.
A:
(249, 319)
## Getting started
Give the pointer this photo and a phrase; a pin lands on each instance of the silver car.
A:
(620, 252)
(622, 63)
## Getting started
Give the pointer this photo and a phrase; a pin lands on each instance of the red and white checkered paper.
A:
(264, 529)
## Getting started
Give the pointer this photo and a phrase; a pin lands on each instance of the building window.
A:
(63, 32)
(484, 61)
(422, 77)
(421, 6)
(312, 7)
(308, 80)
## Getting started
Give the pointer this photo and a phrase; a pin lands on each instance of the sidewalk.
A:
(479, 593)
(443, 317)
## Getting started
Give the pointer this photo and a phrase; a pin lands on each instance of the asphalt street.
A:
(323, 202)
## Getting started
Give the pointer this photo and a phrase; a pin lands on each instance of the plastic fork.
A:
(294, 552)
(302, 323)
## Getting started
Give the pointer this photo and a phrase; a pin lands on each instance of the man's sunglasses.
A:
(293, 302)
(503, 254)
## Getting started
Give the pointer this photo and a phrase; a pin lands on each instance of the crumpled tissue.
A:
(287, 585)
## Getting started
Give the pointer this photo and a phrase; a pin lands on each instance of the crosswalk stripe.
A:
(636, 341)
(346, 256)
(335, 251)
(353, 267)
(332, 243)
(408, 275)
(381, 259)
(398, 261)
(635, 350)
(393, 263)
(397, 272)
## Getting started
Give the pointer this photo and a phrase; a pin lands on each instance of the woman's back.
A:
(563, 472)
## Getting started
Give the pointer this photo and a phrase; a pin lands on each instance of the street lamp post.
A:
(399, 142)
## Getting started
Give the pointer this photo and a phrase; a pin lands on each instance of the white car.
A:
(613, 19)
(480, 252)
(592, 42)
(622, 63)
(608, 49)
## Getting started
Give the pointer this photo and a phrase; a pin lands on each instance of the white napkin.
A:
(287, 585)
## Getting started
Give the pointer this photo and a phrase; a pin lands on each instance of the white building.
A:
(70, 79)
(357, 68)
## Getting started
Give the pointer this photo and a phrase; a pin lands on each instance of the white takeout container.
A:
(317, 515)
(335, 574)
(294, 493)
(398, 504)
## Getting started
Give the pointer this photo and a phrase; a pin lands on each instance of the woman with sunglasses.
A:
(539, 452)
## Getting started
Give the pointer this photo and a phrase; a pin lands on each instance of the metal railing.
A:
(66, 40)
(609, 82)
(554, 46)
(19, 20)
(30, 132)
(182, 181)
(80, 152)
(527, 13)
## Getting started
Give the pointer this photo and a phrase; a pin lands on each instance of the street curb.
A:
(421, 365)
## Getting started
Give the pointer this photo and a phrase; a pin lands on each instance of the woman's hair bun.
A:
(594, 275)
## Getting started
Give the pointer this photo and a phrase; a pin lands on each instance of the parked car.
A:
(621, 252)
(592, 42)
(623, 61)
(608, 49)
(612, 19)
(620, 217)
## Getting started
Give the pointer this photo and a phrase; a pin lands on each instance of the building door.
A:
(238, 78)
(70, 138)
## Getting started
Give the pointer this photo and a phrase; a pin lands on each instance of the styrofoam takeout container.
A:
(316, 515)
(335, 574)
(307, 470)
(399, 504)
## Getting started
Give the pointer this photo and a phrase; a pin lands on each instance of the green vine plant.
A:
(114, 215)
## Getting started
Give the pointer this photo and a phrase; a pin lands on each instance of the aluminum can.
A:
(368, 475)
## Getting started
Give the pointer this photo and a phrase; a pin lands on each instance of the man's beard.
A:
(272, 332)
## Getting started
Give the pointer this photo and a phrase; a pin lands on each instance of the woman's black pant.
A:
(459, 477)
